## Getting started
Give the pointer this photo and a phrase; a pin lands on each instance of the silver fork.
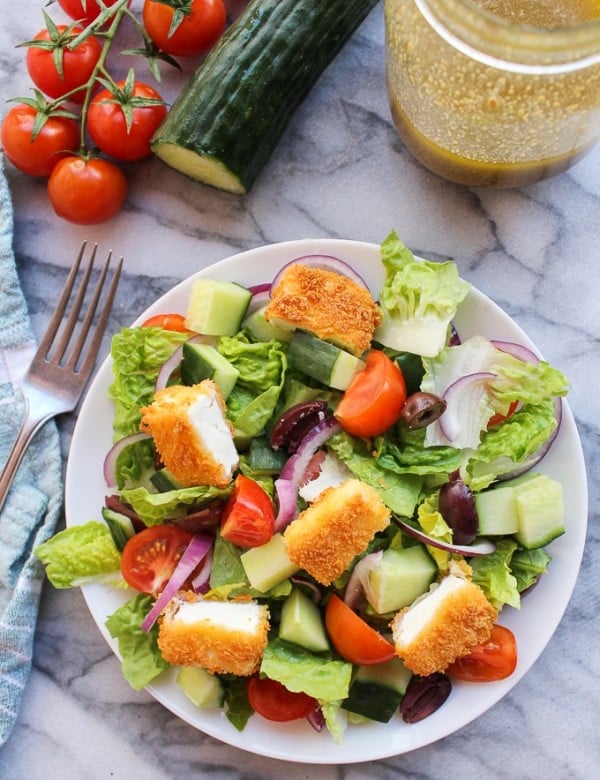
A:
(57, 376)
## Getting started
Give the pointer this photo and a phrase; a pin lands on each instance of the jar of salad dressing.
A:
(495, 92)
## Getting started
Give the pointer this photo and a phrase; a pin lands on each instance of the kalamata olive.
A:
(457, 507)
(424, 695)
(295, 423)
(421, 409)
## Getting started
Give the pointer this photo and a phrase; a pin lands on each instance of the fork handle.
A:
(29, 428)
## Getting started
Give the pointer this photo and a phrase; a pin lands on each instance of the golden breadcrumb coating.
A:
(176, 439)
(325, 538)
(462, 619)
(326, 304)
(211, 643)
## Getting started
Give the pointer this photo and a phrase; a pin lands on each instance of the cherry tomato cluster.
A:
(81, 122)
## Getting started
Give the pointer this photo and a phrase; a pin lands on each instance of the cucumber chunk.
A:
(540, 510)
(322, 360)
(120, 526)
(217, 308)
(497, 512)
(377, 690)
(267, 565)
(301, 623)
(204, 689)
(263, 330)
(400, 577)
(263, 459)
(203, 361)
(164, 481)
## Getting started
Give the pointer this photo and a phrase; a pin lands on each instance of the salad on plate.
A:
(320, 497)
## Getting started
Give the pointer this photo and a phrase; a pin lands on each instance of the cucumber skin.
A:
(239, 101)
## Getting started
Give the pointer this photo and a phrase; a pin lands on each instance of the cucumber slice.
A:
(202, 361)
(263, 459)
(267, 565)
(217, 308)
(540, 510)
(400, 577)
(120, 526)
(201, 687)
(301, 623)
(497, 512)
(322, 360)
(263, 330)
(164, 481)
(377, 690)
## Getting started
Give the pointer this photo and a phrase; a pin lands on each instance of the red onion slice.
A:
(325, 263)
(110, 461)
(257, 289)
(258, 300)
(201, 581)
(355, 586)
(483, 547)
(517, 350)
(463, 398)
(198, 547)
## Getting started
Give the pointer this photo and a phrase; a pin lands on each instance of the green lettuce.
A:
(528, 565)
(80, 554)
(494, 576)
(404, 452)
(155, 508)
(418, 300)
(141, 659)
(433, 524)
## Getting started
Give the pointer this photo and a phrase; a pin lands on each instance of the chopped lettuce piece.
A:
(528, 565)
(417, 301)
(141, 658)
(336, 719)
(494, 576)
(404, 452)
(433, 524)
(80, 554)
(155, 508)
(237, 706)
(298, 669)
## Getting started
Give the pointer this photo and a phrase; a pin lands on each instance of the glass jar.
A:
(494, 92)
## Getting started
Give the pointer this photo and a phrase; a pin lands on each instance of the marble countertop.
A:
(340, 171)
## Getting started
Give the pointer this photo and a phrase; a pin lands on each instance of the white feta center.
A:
(207, 419)
(230, 615)
(423, 610)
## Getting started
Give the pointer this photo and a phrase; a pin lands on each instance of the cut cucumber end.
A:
(202, 167)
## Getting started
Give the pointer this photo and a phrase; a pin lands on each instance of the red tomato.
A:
(77, 64)
(86, 192)
(83, 10)
(58, 137)
(167, 322)
(107, 123)
(198, 31)
(275, 702)
(354, 639)
(248, 518)
(495, 659)
(149, 558)
(497, 418)
(375, 398)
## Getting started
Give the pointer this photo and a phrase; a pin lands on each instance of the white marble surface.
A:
(340, 171)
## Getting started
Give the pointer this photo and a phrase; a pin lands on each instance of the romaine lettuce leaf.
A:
(528, 565)
(433, 524)
(417, 301)
(155, 508)
(80, 554)
(141, 659)
(494, 576)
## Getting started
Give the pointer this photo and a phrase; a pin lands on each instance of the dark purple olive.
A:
(457, 507)
(421, 409)
(295, 423)
(424, 695)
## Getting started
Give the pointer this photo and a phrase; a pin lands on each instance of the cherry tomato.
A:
(86, 192)
(167, 322)
(498, 418)
(58, 137)
(495, 659)
(248, 518)
(107, 123)
(77, 64)
(149, 558)
(84, 11)
(197, 32)
(355, 640)
(275, 702)
(374, 400)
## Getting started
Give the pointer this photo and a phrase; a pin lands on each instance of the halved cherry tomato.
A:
(248, 517)
(58, 138)
(150, 556)
(167, 322)
(498, 418)
(202, 24)
(373, 401)
(275, 702)
(495, 659)
(353, 638)
(86, 192)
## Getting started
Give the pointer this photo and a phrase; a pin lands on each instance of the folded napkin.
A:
(33, 505)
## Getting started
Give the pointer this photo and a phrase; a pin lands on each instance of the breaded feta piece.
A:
(326, 537)
(224, 637)
(191, 433)
(443, 624)
(327, 304)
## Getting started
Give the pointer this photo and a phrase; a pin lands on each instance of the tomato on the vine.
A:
(122, 120)
(201, 24)
(58, 137)
(149, 558)
(84, 11)
(353, 638)
(374, 400)
(55, 68)
(86, 192)
(275, 702)
(248, 518)
(167, 322)
(495, 659)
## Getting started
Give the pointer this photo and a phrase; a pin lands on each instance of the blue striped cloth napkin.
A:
(32, 508)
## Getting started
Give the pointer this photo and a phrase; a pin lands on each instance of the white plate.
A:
(533, 625)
